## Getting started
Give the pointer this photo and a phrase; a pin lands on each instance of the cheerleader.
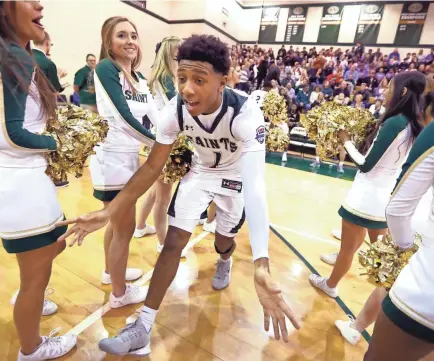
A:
(404, 329)
(351, 329)
(123, 99)
(364, 208)
(30, 208)
(162, 85)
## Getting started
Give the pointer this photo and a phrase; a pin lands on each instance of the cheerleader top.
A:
(124, 104)
(21, 118)
(385, 157)
(413, 291)
(162, 97)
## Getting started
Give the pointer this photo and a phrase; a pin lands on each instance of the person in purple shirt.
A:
(394, 53)
(353, 71)
(430, 57)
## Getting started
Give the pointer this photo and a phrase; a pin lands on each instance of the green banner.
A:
(296, 23)
(268, 28)
(369, 23)
(330, 24)
(411, 23)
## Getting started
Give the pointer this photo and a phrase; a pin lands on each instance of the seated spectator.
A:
(319, 100)
(377, 108)
(371, 81)
(429, 59)
(390, 74)
(421, 68)
(293, 116)
(380, 91)
(365, 93)
(290, 91)
(327, 90)
(352, 74)
(380, 74)
(340, 99)
(358, 102)
(303, 98)
(342, 89)
(314, 94)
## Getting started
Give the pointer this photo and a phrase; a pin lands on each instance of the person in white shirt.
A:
(228, 168)
(377, 109)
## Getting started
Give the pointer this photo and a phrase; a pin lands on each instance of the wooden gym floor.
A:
(195, 322)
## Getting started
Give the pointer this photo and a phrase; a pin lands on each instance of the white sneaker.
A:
(49, 308)
(131, 274)
(350, 334)
(337, 233)
(133, 294)
(139, 233)
(51, 347)
(222, 276)
(341, 169)
(321, 283)
(210, 227)
(315, 164)
(330, 258)
(159, 247)
(284, 157)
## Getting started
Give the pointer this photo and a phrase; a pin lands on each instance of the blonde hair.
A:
(164, 63)
(107, 36)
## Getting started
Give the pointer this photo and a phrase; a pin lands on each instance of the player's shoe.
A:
(139, 233)
(222, 276)
(348, 332)
(51, 347)
(329, 258)
(133, 340)
(321, 283)
(133, 294)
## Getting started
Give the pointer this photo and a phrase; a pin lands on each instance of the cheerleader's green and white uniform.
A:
(29, 208)
(124, 106)
(369, 195)
(410, 302)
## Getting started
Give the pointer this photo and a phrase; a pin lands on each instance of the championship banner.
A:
(369, 23)
(411, 23)
(268, 28)
(330, 24)
(295, 24)
(141, 5)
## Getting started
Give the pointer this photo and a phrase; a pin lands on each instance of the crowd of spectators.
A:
(306, 78)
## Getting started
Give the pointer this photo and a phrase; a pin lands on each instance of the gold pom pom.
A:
(277, 140)
(179, 162)
(274, 108)
(383, 261)
(76, 132)
(323, 124)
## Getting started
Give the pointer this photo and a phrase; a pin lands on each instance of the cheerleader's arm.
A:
(108, 81)
(14, 100)
(416, 178)
(386, 135)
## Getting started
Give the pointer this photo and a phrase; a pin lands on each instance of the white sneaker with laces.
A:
(210, 227)
(321, 283)
(222, 276)
(131, 274)
(348, 332)
(49, 308)
(139, 233)
(133, 294)
(51, 347)
(329, 258)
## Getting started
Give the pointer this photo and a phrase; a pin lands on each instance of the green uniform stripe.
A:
(14, 100)
(108, 74)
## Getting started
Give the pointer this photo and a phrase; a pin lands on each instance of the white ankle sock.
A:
(341, 164)
(317, 159)
(148, 317)
(225, 260)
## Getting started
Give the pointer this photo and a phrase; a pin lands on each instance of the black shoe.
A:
(62, 184)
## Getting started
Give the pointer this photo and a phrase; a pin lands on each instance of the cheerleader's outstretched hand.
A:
(344, 136)
(84, 225)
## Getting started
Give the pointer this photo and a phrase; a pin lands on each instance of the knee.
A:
(35, 282)
(176, 240)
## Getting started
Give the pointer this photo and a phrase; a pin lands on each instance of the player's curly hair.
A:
(206, 48)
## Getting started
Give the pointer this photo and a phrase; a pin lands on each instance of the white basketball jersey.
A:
(217, 151)
(258, 96)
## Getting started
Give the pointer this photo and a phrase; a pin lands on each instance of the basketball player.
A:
(228, 168)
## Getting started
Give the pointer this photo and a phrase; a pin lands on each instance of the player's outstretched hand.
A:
(83, 225)
(270, 296)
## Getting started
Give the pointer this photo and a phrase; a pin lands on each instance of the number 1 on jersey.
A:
(218, 157)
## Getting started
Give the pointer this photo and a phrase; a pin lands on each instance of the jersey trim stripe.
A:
(218, 118)
(180, 115)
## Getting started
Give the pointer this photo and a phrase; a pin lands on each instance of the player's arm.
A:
(107, 76)
(386, 135)
(416, 178)
(15, 105)
(139, 183)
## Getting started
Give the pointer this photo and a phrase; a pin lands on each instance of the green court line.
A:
(312, 269)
